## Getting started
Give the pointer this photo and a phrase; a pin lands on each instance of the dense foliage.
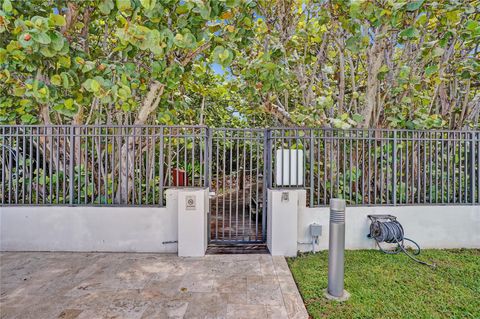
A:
(402, 64)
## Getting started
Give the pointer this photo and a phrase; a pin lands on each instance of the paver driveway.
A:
(131, 285)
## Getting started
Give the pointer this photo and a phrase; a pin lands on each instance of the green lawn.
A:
(384, 286)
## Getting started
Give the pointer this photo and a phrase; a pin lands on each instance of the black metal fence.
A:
(134, 165)
(378, 167)
(99, 165)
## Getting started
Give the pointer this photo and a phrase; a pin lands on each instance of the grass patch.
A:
(384, 286)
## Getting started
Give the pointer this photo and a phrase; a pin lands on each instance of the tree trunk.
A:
(474, 114)
(341, 81)
(126, 174)
(202, 110)
(375, 57)
(278, 113)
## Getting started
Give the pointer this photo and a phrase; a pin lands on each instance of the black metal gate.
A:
(238, 185)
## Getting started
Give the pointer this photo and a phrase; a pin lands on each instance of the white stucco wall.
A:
(429, 226)
(116, 229)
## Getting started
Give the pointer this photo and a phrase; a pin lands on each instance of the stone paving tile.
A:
(295, 307)
(281, 266)
(206, 305)
(277, 312)
(287, 284)
(171, 309)
(235, 298)
(231, 284)
(266, 266)
(264, 290)
(138, 286)
(246, 311)
(170, 287)
(199, 282)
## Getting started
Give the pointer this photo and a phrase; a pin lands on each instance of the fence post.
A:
(267, 171)
(72, 162)
(161, 163)
(394, 169)
(267, 166)
(472, 168)
(208, 146)
(312, 166)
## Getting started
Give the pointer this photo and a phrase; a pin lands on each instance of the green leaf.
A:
(222, 55)
(353, 43)
(472, 25)
(28, 119)
(91, 85)
(414, 5)
(88, 66)
(148, 4)
(64, 61)
(383, 69)
(167, 37)
(431, 70)
(181, 9)
(60, 108)
(232, 3)
(410, 33)
(65, 80)
(57, 41)
(3, 55)
(186, 40)
(42, 38)
(152, 40)
(453, 16)
(56, 80)
(106, 6)
(357, 118)
(95, 86)
(7, 6)
(270, 66)
(40, 23)
(178, 40)
(124, 6)
(189, 40)
(124, 92)
(69, 104)
(57, 20)
(47, 52)
(465, 74)
(203, 10)
(79, 60)
(397, 5)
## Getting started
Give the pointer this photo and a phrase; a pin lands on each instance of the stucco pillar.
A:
(282, 221)
(193, 209)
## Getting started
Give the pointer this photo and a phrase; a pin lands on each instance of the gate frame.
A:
(266, 181)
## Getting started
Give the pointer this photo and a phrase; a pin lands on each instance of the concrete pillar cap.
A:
(337, 204)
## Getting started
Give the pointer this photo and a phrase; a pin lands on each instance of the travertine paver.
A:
(127, 285)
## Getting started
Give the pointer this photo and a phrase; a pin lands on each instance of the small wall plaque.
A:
(191, 202)
(285, 197)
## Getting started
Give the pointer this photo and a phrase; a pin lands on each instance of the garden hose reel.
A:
(387, 229)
